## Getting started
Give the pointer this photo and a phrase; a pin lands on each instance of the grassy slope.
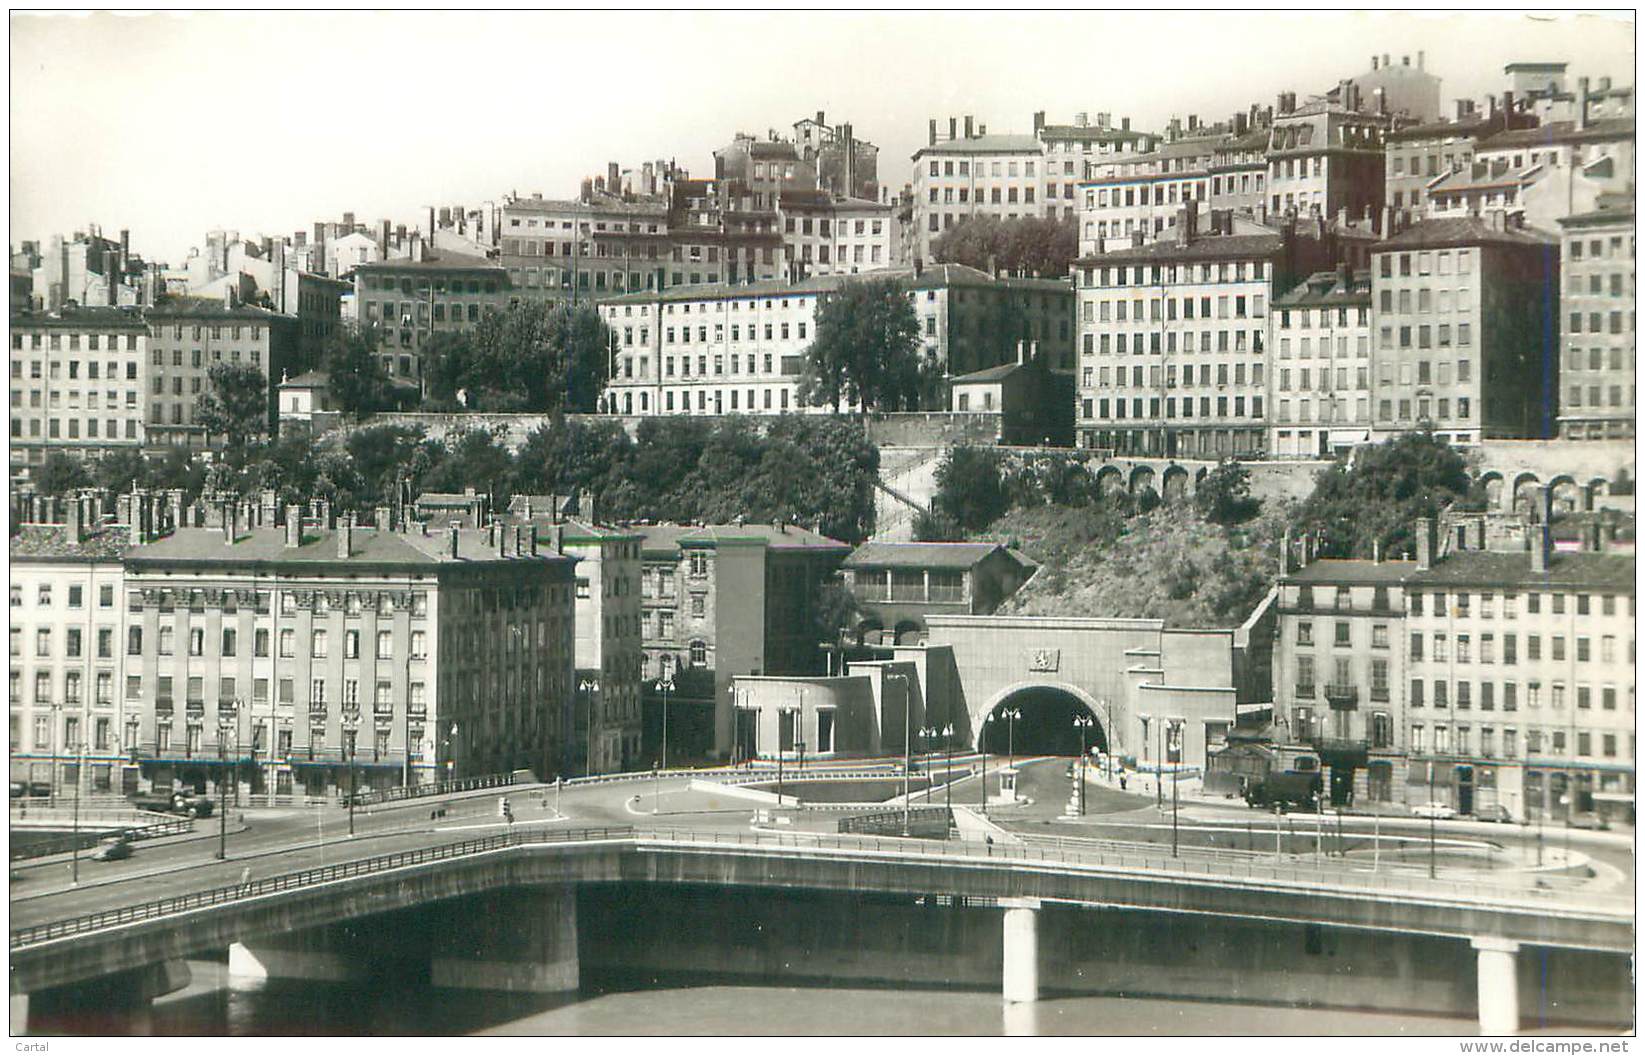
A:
(1167, 564)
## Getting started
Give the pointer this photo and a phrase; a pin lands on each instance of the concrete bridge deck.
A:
(132, 933)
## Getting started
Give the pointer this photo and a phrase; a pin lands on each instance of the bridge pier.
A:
(1498, 985)
(118, 1003)
(315, 953)
(1021, 971)
(522, 940)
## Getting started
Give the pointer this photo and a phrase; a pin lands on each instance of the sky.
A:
(172, 125)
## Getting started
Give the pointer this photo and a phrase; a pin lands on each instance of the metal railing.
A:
(93, 836)
(371, 797)
(1293, 875)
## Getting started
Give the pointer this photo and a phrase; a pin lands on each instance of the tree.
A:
(1224, 496)
(61, 474)
(357, 380)
(531, 357)
(235, 405)
(1379, 496)
(118, 470)
(970, 488)
(1034, 245)
(477, 460)
(867, 348)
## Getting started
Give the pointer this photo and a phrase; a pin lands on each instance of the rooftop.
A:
(921, 555)
(213, 308)
(1461, 231)
(443, 261)
(669, 539)
(1206, 247)
(1004, 143)
(1621, 214)
(1325, 288)
(51, 542)
(1330, 570)
(308, 379)
(368, 546)
(100, 318)
(987, 374)
(1584, 570)
(1560, 132)
(1481, 176)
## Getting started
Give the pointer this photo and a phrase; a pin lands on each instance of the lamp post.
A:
(450, 742)
(1107, 733)
(222, 790)
(1542, 800)
(350, 729)
(1433, 869)
(588, 686)
(1176, 724)
(982, 746)
(799, 735)
(1083, 723)
(1144, 717)
(1011, 716)
(907, 741)
(930, 733)
(948, 773)
(79, 770)
(664, 684)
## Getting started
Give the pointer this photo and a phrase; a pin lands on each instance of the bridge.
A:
(501, 910)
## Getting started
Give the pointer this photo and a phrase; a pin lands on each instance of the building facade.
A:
(725, 600)
(187, 337)
(79, 384)
(1002, 176)
(1599, 376)
(412, 299)
(1464, 312)
(1320, 382)
(897, 584)
(1325, 157)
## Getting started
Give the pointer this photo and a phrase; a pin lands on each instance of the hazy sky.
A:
(172, 125)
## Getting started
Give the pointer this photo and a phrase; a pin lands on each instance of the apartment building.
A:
(725, 600)
(67, 631)
(79, 384)
(412, 299)
(1071, 151)
(316, 657)
(1320, 382)
(978, 174)
(1418, 154)
(1521, 680)
(1338, 667)
(826, 235)
(1598, 339)
(899, 584)
(1599, 149)
(1173, 338)
(1463, 316)
(1400, 88)
(738, 349)
(604, 733)
(579, 250)
(1324, 157)
(187, 336)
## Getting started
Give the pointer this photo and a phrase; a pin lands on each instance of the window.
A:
(288, 643)
(385, 645)
(317, 646)
(699, 653)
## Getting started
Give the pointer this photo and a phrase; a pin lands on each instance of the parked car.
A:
(1440, 811)
(1495, 812)
(187, 804)
(112, 849)
(30, 789)
(1587, 821)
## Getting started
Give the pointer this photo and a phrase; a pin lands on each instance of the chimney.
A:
(1581, 103)
(1479, 533)
(1285, 554)
(1490, 107)
(953, 129)
(502, 538)
(230, 524)
(531, 534)
(456, 532)
(1039, 121)
(968, 127)
(345, 536)
(1345, 276)
(174, 507)
(294, 527)
(1405, 60)
(1508, 109)
(933, 136)
(268, 502)
(559, 538)
(614, 176)
(519, 539)
(1373, 62)
(1125, 124)
(1425, 543)
(77, 519)
(1422, 59)
(136, 513)
(1376, 551)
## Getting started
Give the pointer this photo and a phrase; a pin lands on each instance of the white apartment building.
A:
(78, 383)
(1598, 334)
(1320, 382)
(980, 175)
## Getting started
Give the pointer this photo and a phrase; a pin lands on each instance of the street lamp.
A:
(930, 733)
(450, 742)
(350, 727)
(1144, 717)
(665, 684)
(1542, 800)
(907, 741)
(1083, 723)
(799, 735)
(79, 770)
(1011, 716)
(1108, 733)
(222, 789)
(1176, 724)
(982, 746)
(588, 686)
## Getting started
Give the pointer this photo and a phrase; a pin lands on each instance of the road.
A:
(276, 841)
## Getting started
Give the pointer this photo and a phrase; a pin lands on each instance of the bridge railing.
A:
(376, 796)
(91, 836)
(1339, 881)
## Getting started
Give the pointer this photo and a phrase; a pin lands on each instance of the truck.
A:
(1285, 788)
(188, 804)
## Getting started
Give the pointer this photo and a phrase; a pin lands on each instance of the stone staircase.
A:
(907, 483)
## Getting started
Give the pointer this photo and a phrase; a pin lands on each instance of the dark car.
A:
(1495, 812)
(112, 849)
(30, 789)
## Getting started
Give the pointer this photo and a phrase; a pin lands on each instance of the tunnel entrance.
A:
(1045, 726)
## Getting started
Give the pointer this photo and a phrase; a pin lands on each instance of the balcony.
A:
(1342, 697)
(1304, 691)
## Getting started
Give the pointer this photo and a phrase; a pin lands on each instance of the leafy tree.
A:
(1380, 494)
(970, 487)
(118, 470)
(177, 468)
(834, 609)
(235, 405)
(867, 349)
(934, 527)
(1224, 496)
(478, 460)
(61, 474)
(531, 357)
(1036, 245)
(356, 377)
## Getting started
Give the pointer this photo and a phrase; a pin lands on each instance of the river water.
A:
(208, 1007)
